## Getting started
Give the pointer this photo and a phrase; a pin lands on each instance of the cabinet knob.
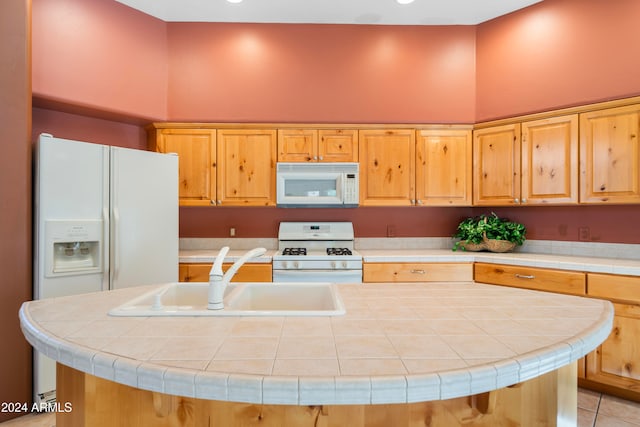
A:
(219, 202)
(524, 200)
(516, 200)
(413, 202)
(321, 158)
(419, 202)
(315, 157)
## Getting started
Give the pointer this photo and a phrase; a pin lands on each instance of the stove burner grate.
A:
(294, 251)
(339, 251)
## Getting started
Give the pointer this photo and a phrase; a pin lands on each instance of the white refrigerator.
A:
(104, 218)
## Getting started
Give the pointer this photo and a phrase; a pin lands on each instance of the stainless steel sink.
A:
(240, 299)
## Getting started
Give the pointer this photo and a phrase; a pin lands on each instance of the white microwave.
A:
(316, 185)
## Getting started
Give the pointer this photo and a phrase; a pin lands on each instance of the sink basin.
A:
(240, 299)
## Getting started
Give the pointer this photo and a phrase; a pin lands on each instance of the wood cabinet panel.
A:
(617, 361)
(297, 145)
(249, 272)
(196, 150)
(541, 279)
(313, 145)
(387, 167)
(417, 272)
(246, 170)
(444, 167)
(614, 287)
(496, 165)
(550, 161)
(338, 145)
(610, 155)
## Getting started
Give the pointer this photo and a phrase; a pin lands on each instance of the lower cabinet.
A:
(249, 272)
(616, 363)
(416, 272)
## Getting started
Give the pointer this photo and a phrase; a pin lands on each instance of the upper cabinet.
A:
(224, 167)
(196, 150)
(528, 163)
(610, 155)
(387, 167)
(246, 167)
(496, 165)
(313, 145)
(550, 161)
(443, 167)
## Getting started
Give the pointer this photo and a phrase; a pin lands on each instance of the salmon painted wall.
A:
(557, 53)
(85, 128)
(100, 55)
(321, 73)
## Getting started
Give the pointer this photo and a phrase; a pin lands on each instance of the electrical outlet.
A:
(584, 234)
(232, 232)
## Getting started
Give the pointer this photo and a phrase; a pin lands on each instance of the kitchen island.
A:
(403, 354)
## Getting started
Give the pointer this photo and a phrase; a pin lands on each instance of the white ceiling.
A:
(387, 12)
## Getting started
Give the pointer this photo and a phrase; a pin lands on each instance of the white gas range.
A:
(317, 252)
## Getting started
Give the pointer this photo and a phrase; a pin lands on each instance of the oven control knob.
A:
(333, 264)
(344, 264)
(284, 264)
(296, 264)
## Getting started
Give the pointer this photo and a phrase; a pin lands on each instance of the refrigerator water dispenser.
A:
(73, 247)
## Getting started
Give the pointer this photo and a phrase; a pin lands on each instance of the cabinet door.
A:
(617, 361)
(247, 163)
(387, 162)
(496, 166)
(610, 156)
(443, 167)
(338, 145)
(196, 149)
(297, 145)
(550, 161)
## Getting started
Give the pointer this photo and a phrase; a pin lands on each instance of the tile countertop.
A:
(397, 343)
(629, 267)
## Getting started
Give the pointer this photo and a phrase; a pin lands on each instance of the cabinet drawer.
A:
(417, 272)
(542, 279)
(199, 272)
(618, 288)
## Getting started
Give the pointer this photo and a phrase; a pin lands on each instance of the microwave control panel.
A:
(351, 189)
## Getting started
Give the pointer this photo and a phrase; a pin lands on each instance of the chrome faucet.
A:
(218, 280)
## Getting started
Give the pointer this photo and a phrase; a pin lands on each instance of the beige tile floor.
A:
(594, 410)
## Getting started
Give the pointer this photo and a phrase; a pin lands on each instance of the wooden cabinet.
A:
(387, 167)
(249, 272)
(540, 279)
(496, 165)
(443, 167)
(549, 153)
(534, 162)
(246, 167)
(313, 145)
(196, 149)
(616, 363)
(417, 272)
(610, 155)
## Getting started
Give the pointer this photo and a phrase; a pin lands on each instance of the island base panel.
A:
(548, 400)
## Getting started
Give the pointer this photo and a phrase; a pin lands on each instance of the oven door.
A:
(332, 276)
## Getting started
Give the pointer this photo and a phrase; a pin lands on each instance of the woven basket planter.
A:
(473, 247)
(494, 245)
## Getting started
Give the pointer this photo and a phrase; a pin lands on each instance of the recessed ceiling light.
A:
(404, 1)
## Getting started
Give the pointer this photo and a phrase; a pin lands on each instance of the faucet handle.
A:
(216, 269)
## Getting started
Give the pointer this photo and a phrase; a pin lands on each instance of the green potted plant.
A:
(489, 232)
(470, 232)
